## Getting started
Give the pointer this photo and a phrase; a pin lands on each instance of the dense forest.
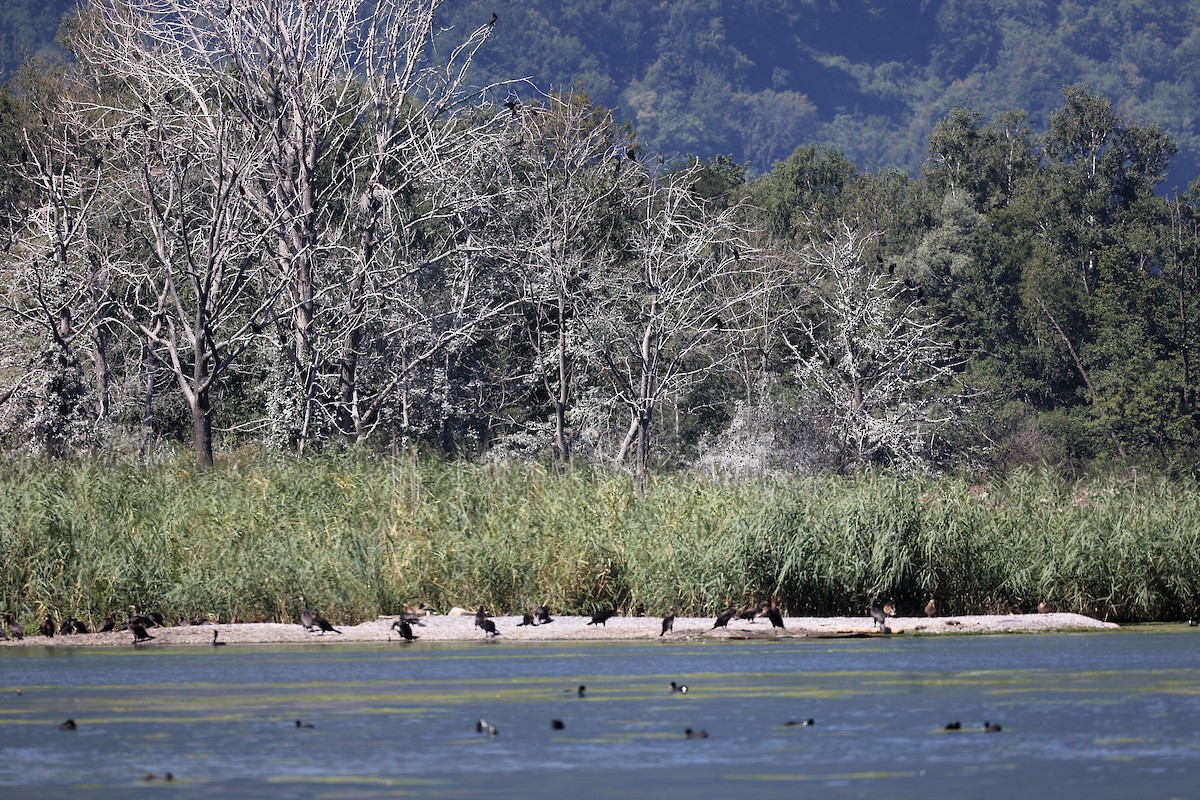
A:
(754, 80)
(220, 235)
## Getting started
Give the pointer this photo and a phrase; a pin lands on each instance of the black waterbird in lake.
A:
(581, 691)
(678, 688)
(668, 623)
(557, 724)
(300, 724)
(953, 726)
(601, 617)
(69, 725)
(804, 723)
(700, 734)
(405, 630)
(991, 727)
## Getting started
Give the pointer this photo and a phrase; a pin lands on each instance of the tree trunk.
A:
(202, 429)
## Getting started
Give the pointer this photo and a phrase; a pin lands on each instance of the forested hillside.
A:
(216, 234)
(753, 79)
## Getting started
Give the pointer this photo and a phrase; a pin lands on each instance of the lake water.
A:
(1093, 715)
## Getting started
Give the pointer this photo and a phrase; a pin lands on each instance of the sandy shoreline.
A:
(460, 629)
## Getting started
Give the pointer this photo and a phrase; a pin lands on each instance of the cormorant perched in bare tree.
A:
(602, 617)
(512, 104)
(492, 21)
(668, 623)
(405, 630)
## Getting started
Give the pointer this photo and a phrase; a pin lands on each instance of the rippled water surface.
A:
(1086, 715)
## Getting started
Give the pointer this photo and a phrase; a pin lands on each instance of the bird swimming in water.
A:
(488, 626)
(300, 724)
(700, 734)
(602, 617)
(931, 608)
(991, 727)
(557, 725)
(804, 723)
(953, 726)
(581, 691)
(139, 633)
(406, 632)
(307, 615)
(543, 615)
(722, 620)
(668, 623)
(68, 725)
(678, 688)
(215, 642)
(324, 624)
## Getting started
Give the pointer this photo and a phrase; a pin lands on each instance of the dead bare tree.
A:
(877, 367)
(673, 309)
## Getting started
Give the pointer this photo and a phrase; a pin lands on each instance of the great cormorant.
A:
(602, 617)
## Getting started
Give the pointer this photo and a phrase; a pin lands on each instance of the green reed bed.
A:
(362, 538)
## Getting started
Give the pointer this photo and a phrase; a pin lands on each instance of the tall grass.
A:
(361, 537)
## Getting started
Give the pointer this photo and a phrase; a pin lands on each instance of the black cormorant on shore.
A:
(526, 619)
(775, 617)
(879, 616)
(307, 615)
(139, 633)
(722, 620)
(405, 630)
(668, 623)
(602, 617)
(324, 624)
(47, 627)
(488, 626)
(215, 642)
(107, 624)
(543, 615)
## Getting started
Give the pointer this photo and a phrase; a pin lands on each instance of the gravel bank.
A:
(457, 629)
